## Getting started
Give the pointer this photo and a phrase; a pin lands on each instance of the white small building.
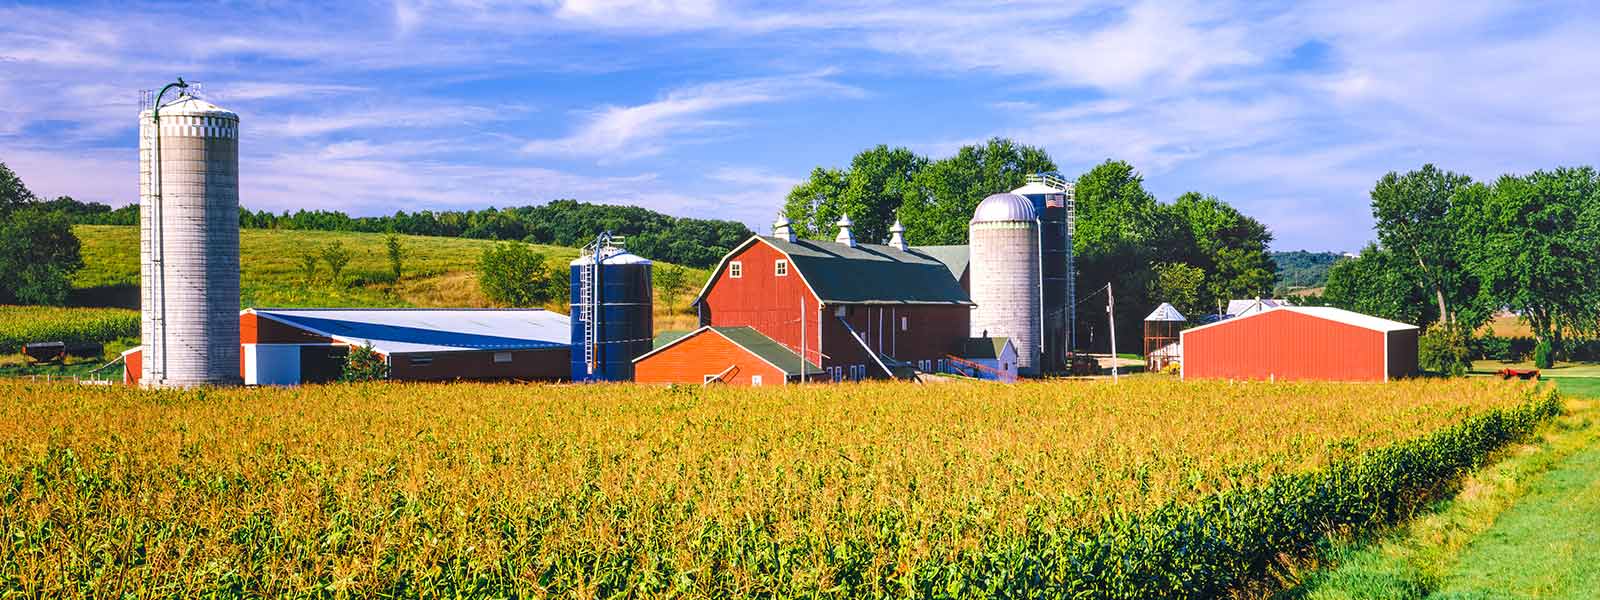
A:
(992, 358)
(1239, 308)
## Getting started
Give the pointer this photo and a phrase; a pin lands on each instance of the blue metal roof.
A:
(403, 331)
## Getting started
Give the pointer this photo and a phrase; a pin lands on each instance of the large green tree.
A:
(38, 255)
(1533, 243)
(1117, 229)
(1377, 283)
(1414, 215)
(13, 194)
(949, 189)
(871, 191)
(1230, 247)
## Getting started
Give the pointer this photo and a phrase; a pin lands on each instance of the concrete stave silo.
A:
(189, 243)
(1005, 275)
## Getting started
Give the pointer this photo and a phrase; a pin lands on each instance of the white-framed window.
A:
(780, 268)
(501, 358)
(904, 323)
(755, 380)
(842, 311)
(735, 270)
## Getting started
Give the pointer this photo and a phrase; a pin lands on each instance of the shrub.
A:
(1543, 355)
(308, 266)
(1445, 350)
(396, 255)
(364, 364)
(512, 274)
(337, 257)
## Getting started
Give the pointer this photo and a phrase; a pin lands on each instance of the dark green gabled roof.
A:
(872, 273)
(983, 347)
(768, 350)
(954, 258)
(668, 337)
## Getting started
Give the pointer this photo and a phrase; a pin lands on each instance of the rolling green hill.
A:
(438, 271)
(1303, 269)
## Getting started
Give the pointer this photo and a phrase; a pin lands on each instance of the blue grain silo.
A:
(612, 321)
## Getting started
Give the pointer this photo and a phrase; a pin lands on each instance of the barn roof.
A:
(1239, 307)
(871, 273)
(1322, 312)
(954, 258)
(984, 347)
(409, 330)
(752, 341)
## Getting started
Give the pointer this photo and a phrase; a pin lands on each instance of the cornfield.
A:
(1150, 488)
(25, 324)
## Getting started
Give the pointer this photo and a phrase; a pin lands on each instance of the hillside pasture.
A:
(1149, 487)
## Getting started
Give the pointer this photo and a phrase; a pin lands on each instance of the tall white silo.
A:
(1004, 248)
(189, 243)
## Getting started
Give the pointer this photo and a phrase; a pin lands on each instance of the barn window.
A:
(904, 322)
(735, 270)
(420, 361)
(501, 358)
(755, 380)
(781, 268)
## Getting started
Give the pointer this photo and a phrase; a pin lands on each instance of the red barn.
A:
(1301, 343)
(734, 355)
(856, 310)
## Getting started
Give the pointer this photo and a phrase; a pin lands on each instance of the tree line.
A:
(38, 251)
(694, 242)
(1452, 252)
(1196, 251)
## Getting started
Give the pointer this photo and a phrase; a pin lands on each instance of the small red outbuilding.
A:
(1301, 343)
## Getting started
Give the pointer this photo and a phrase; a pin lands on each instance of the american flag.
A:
(1055, 201)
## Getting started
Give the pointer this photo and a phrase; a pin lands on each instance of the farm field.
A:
(438, 271)
(883, 489)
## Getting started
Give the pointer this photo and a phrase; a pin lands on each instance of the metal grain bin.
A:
(612, 318)
(1052, 200)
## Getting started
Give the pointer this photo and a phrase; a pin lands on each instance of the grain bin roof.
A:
(405, 330)
(1165, 312)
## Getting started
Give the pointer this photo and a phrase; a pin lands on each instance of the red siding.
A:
(133, 367)
(932, 331)
(255, 330)
(762, 300)
(704, 353)
(1285, 344)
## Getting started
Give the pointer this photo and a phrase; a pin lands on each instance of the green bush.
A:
(512, 274)
(362, 363)
(38, 255)
(1445, 350)
(1543, 355)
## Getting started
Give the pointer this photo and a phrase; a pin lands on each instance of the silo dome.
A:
(1003, 207)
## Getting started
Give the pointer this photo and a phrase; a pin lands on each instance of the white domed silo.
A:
(189, 243)
(1004, 267)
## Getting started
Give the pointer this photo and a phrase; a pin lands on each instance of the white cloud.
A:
(623, 132)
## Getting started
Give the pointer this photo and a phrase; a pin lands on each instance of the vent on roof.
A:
(845, 236)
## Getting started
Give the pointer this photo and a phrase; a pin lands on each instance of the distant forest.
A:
(1302, 269)
(692, 242)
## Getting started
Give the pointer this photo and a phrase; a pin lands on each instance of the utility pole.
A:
(1111, 302)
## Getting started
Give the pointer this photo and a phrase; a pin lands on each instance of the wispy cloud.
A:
(623, 132)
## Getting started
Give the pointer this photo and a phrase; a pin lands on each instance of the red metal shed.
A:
(1301, 342)
(731, 355)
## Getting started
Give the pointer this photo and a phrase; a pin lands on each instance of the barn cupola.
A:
(897, 236)
(845, 237)
(781, 229)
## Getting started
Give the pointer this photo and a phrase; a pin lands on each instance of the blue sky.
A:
(714, 109)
